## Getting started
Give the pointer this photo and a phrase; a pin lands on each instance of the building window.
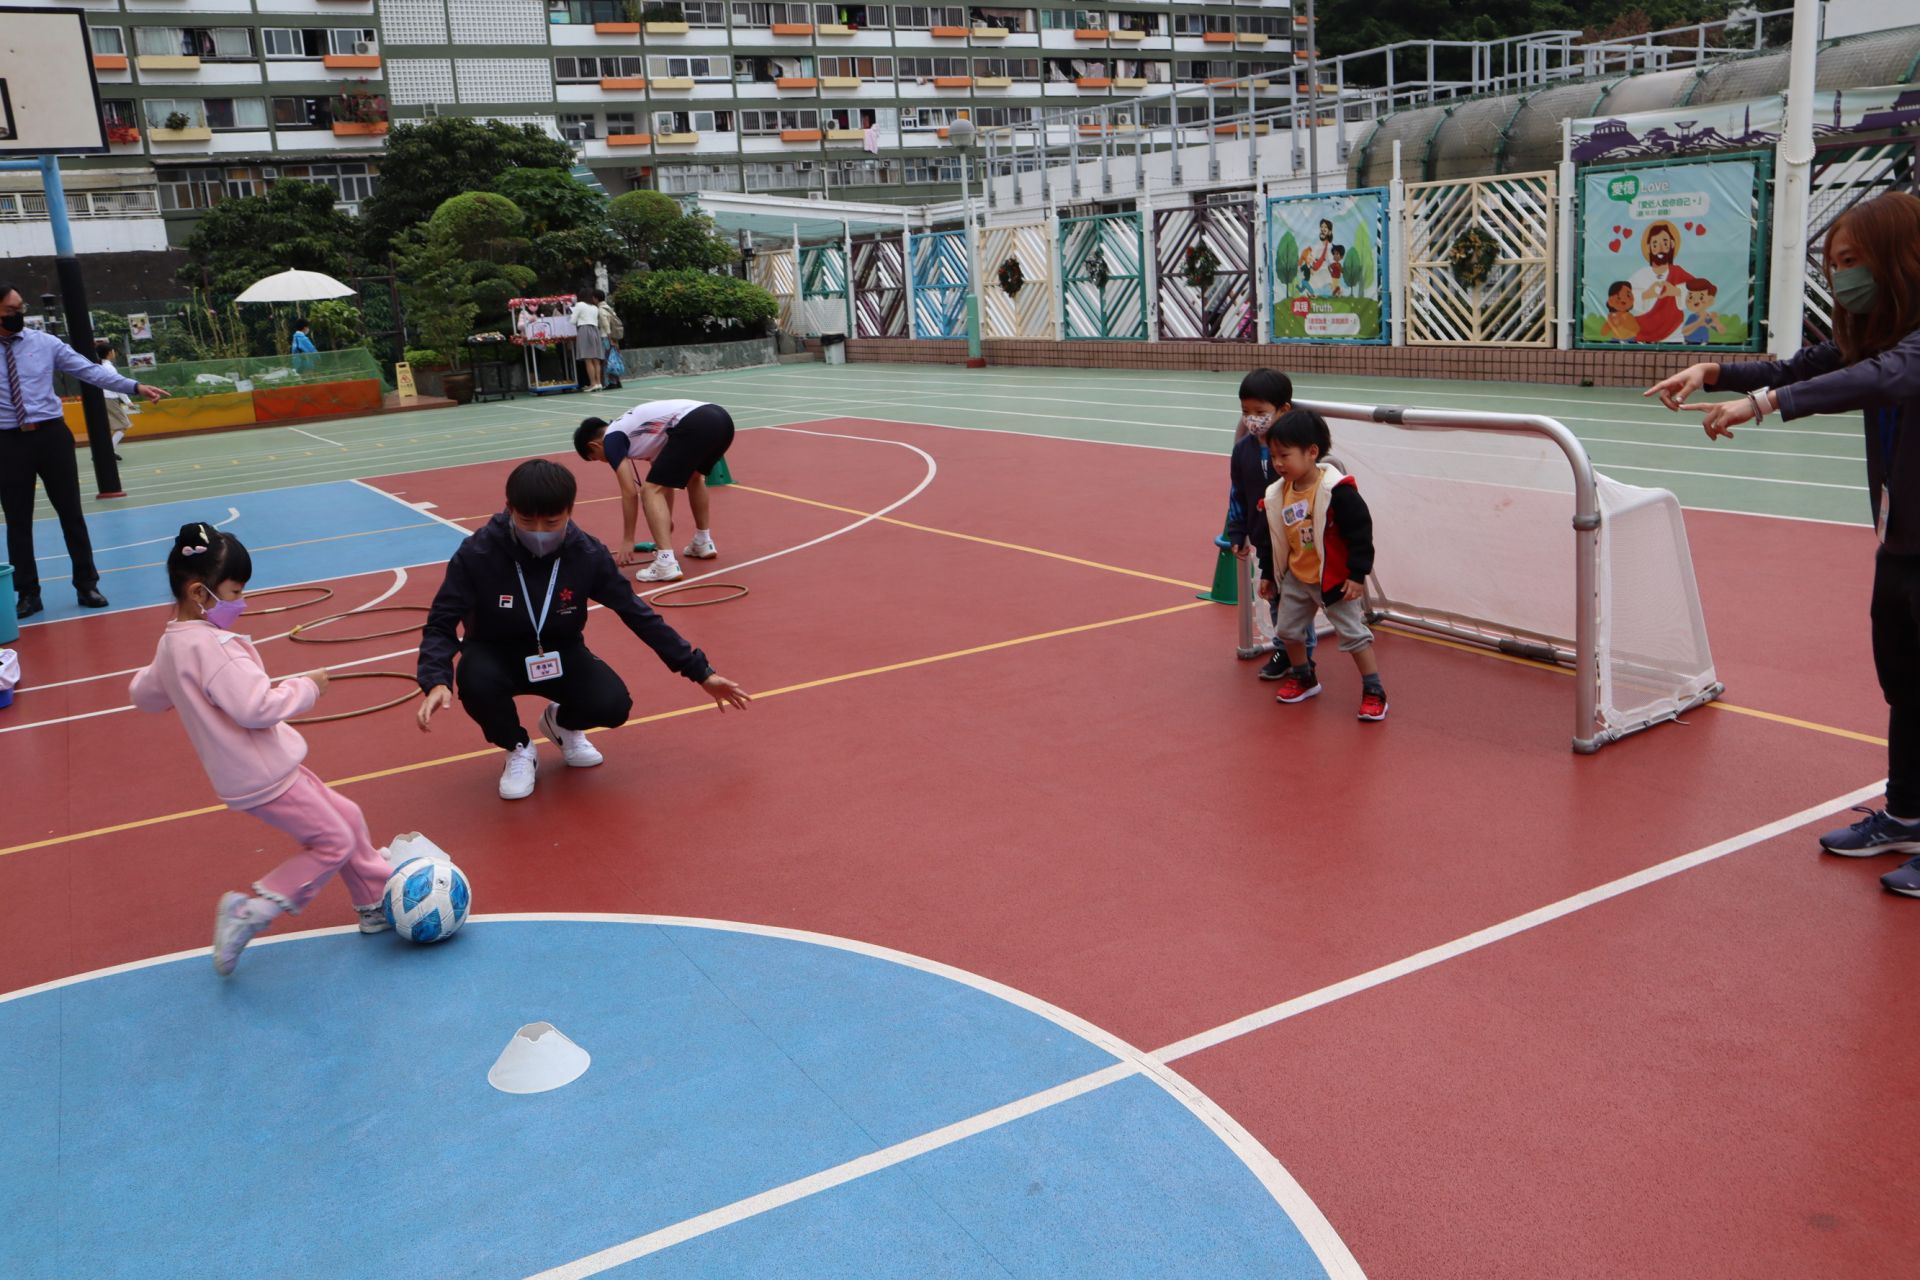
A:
(182, 189)
(1019, 20)
(918, 18)
(303, 113)
(755, 15)
(871, 171)
(119, 113)
(578, 128)
(108, 39)
(1147, 22)
(1013, 68)
(315, 42)
(236, 113)
(690, 68)
(1072, 20)
(769, 124)
(684, 179)
(927, 170)
(922, 68)
(160, 110)
(593, 70)
(864, 68)
(1262, 26)
(693, 121)
(563, 13)
(210, 44)
(703, 13)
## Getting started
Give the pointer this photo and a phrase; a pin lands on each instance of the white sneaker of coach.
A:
(574, 747)
(516, 780)
(701, 549)
(663, 569)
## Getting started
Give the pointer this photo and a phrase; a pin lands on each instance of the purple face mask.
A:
(224, 613)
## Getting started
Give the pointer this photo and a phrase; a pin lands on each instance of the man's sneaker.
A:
(1277, 666)
(1373, 705)
(516, 780)
(235, 922)
(575, 749)
(700, 549)
(1905, 880)
(663, 569)
(1874, 834)
(1298, 686)
(373, 919)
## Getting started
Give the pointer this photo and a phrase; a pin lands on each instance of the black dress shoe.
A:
(28, 604)
(90, 598)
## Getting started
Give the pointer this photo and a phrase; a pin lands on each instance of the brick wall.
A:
(1492, 364)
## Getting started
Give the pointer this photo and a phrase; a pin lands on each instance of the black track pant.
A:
(487, 677)
(1896, 658)
(46, 453)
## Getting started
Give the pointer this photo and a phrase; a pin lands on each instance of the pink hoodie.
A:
(232, 712)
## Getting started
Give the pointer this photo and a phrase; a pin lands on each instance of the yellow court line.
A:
(823, 682)
(1717, 704)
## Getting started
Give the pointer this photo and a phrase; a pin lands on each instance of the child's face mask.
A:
(223, 613)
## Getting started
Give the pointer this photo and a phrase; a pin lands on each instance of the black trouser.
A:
(487, 677)
(1896, 659)
(46, 453)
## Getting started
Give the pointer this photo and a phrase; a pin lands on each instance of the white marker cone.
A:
(537, 1059)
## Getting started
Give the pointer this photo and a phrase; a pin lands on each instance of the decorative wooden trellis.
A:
(1843, 176)
(940, 285)
(1224, 310)
(879, 289)
(1103, 262)
(772, 270)
(823, 289)
(1027, 313)
(1513, 307)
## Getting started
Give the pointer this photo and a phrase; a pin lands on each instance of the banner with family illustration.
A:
(1673, 254)
(1328, 256)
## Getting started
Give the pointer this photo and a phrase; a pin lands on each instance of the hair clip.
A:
(191, 551)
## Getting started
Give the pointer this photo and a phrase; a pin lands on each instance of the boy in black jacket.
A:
(519, 589)
(1265, 394)
(1315, 512)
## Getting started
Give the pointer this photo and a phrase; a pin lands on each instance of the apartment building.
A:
(220, 98)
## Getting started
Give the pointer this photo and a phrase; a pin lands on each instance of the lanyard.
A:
(526, 595)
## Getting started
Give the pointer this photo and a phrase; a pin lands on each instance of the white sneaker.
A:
(663, 569)
(575, 749)
(516, 780)
(373, 919)
(596, 387)
(234, 925)
(701, 549)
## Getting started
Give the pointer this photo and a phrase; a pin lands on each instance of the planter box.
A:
(167, 62)
(953, 82)
(1244, 37)
(1094, 82)
(360, 128)
(800, 135)
(109, 62)
(990, 33)
(846, 135)
(620, 84)
(189, 134)
(616, 28)
(993, 82)
(840, 82)
(1127, 35)
(949, 33)
(838, 29)
(677, 139)
(1129, 82)
(666, 28)
(351, 62)
(796, 82)
(664, 84)
(1217, 37)
(1090, 33)
(629, 139)
(704, 357)
(793, 28)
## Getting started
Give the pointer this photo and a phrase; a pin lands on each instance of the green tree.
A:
(294, 225)
(428, 162)
(642, 220)
(566, 223)
(692, 244)
(459, 268)
(1349, 26)
(1286, 261)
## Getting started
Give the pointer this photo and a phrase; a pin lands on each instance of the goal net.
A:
(1495, 529)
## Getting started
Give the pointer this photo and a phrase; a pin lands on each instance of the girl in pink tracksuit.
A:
(235, 718)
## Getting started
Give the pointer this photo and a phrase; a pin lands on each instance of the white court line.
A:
(311, 436)
(233, 513)
(418, 508)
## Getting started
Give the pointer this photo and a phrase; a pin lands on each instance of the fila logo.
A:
(506, 602)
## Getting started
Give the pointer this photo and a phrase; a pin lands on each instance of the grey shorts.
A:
(1299, 602)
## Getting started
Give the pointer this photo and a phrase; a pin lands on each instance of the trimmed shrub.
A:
(664, 308)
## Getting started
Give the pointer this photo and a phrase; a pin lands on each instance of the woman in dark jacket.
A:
(1873, 365)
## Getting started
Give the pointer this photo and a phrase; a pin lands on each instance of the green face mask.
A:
(1854, 288)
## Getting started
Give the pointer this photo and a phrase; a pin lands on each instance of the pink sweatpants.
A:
(333, 838)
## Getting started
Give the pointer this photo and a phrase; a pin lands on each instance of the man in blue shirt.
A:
(35, 443)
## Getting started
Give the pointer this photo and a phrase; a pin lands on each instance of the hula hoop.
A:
(326, 593)
(659, 600)
(408, 696)
(295, 636)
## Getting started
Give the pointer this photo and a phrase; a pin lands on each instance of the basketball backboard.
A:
(49, 100)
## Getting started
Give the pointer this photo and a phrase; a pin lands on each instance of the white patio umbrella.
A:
(295, 286)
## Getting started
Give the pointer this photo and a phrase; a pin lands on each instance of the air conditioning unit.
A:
(365, 47)
(269, 172)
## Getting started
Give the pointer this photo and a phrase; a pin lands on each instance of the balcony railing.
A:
(31, 206)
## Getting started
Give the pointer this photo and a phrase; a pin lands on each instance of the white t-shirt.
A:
(584, 314)
(644, 429)
(121, 396)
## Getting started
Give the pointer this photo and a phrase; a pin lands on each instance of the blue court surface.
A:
(331, 1116)
(301, 534)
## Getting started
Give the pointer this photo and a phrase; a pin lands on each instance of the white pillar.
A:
(1149, 268)
(1792, 188)
(1563, 246)
(846, 250)
(1262, 267)
(1397, 216)
(906, 256)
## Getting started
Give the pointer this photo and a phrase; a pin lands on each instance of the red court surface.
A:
(1027, 752)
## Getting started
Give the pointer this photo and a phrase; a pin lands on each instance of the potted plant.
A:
(177, 121)
(359, 111)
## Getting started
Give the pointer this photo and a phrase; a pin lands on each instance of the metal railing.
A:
(31, 206)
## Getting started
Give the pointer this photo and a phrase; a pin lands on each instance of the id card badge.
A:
(542, 666)
(1881, 513)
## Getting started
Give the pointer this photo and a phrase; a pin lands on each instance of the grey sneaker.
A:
(1872, 835)
(1905, 880)
(234, 926)
(373, 919)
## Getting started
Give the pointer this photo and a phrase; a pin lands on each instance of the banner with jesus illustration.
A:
(1673, 255)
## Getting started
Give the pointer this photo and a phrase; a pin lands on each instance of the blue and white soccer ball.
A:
(426, 899)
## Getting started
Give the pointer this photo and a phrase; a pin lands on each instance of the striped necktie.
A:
(9, 347)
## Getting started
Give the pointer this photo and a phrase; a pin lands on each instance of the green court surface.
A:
(1811, 468)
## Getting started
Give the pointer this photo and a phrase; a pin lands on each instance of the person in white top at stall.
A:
(683, 439)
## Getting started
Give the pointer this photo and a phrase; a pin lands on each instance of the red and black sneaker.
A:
(1373, 704)
(1297, 686)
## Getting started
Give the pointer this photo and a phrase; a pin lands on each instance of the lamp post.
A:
(961, 134)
